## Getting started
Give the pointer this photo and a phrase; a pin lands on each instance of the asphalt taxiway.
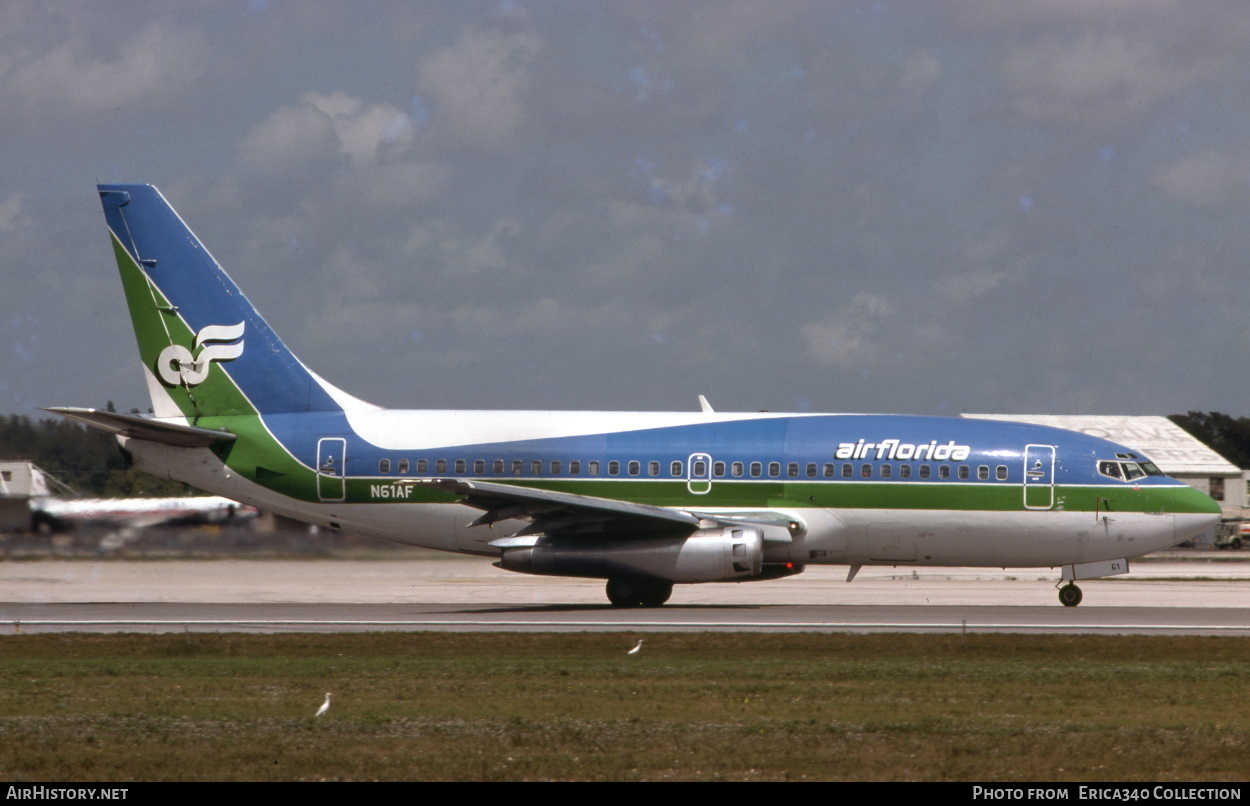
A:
(1189, 595)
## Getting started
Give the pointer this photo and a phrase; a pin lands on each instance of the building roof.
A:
(22, 480)
(1169, 446)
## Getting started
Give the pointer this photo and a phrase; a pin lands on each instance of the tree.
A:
(87, 460)
(1226, 435)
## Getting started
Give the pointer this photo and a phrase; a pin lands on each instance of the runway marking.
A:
(751, 625)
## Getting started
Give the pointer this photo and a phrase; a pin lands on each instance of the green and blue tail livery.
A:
(206, 350)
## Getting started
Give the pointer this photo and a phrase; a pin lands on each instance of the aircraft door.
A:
(1039, 476)
(699, 474)
(331, 468)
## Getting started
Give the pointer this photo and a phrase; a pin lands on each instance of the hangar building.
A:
(19, 482)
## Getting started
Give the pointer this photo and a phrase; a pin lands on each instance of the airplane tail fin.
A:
(205, 350)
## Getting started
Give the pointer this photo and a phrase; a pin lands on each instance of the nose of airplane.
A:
(1196, 513)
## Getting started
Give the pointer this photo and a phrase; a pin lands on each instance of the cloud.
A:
(921, 70)
(322, 127)
(13, 212)
(846, 342)
(289, 138)
(1207, 178)
(1093, 78)
(364, 130)
(988, 16)
(479, 85)
(983, 266)
(159, 62)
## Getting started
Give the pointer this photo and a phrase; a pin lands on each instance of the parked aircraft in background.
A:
(141, 513)
(641, 499)
(122, 520)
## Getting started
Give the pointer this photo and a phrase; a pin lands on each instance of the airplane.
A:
(643, 500)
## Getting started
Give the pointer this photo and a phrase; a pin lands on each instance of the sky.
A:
(1036, 206)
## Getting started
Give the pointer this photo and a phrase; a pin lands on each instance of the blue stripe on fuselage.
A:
(799, 439)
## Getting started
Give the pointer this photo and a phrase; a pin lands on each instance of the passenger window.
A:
(403, 466)
(575, 467)
(774, 469)
(423, 466)
(699, 469)
(904, 471)
(518, 467)
(718, 469)
(924, 471)
(536, 467)
(653, 468)
(865, 470)
(460, 465)
(592, 467)
(983, 472)
(828, 470)
(1000, 472)
(886, 471)
(756, 470)
(792, 470)
(811, 470)
(440, 466)
(634, 467)
(384, 466)
(675, 470)
(479, 466)
(555, 467)
(847, 471)
(614, 468)
(944, 471)
(737, 469)
(964, 472)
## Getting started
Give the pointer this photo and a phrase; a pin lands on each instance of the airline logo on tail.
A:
(176, 365)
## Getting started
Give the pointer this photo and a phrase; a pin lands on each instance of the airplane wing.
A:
(551, 512)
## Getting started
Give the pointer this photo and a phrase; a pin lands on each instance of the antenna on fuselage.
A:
(704, 406)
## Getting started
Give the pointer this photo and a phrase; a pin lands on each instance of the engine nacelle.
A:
(709, 555)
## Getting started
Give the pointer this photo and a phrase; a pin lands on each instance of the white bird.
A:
(634, 651)
(325, 706)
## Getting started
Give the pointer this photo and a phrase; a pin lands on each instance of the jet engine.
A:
(721, 554)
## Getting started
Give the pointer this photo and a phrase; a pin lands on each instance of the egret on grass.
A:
(325, 706)
(634, 651)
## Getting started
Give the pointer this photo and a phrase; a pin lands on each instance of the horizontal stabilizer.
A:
(137, 427)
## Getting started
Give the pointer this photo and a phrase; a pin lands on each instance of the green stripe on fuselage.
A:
(955, 496)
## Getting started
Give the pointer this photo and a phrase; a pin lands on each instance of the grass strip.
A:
(690, 706)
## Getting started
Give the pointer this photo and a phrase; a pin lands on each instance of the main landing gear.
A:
(1070, 595)
(638, 591)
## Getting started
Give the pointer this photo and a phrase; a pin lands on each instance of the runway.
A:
(447, 592)
(270, 618)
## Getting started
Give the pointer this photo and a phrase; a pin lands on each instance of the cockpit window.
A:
(1128, 470)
